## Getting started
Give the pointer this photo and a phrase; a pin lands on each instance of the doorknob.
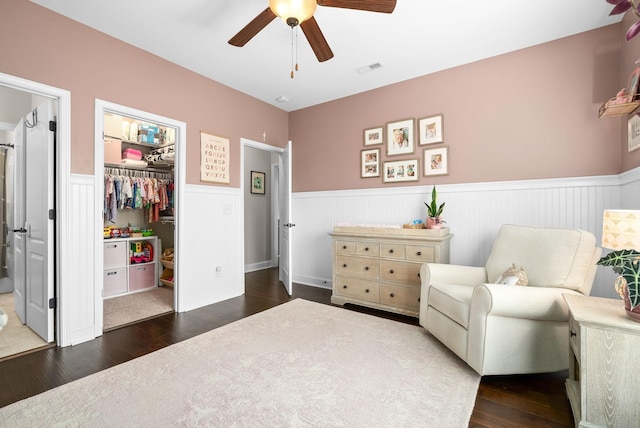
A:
(288, 225)
(21, 230)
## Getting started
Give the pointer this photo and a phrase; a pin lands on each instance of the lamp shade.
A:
(298, 9)
(621, 230)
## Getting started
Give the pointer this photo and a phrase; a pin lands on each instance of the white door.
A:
(18, 266)
(285, 218)
(39, 239)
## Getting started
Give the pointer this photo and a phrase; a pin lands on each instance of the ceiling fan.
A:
(300, 12)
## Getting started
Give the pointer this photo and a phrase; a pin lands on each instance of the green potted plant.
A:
(434, 211)
(626, 263)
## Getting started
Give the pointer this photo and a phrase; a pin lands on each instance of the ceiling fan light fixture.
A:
(287, 10)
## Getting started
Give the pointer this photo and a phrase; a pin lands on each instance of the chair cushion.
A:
(551, 257)
(452, 300)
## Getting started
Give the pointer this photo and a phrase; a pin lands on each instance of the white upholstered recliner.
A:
(510, 329)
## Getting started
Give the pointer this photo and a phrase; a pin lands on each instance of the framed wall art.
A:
(258, 182)
(633, 132)
(373, 136)
(214, 159)
(404, 170)
(430, 129)
(436, 161)
(400, 137)
(632, 85)
(370, 163)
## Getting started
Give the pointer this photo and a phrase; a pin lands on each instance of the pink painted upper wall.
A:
(630, 54)
(528, 114)
(42, 46)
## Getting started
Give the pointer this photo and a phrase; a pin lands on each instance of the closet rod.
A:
(131, 168)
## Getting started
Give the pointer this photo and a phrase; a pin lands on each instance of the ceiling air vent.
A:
(369, 68)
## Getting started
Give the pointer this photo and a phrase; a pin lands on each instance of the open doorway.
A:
(28, 134)
(267, 209)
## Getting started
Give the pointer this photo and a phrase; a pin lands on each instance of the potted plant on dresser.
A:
(434, 211)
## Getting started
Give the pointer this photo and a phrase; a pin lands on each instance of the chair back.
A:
(551, 257)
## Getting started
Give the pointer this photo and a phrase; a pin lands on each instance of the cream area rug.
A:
(134, 307)
(300, 364)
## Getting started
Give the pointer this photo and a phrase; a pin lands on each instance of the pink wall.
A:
(39, 45)
(529, 114)
(630, 53)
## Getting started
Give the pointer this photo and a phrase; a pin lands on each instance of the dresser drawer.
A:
(115, 254)
(142, 276)
(574, 336)
(393, 251)
(421, 253)
(404, 296)
(370, 249)
(397, 271)
(357, 288)
(358, 266)
(115, 282)
(345, 247)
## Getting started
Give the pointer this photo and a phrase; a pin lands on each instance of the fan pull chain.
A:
(292, 47)
(294, 50)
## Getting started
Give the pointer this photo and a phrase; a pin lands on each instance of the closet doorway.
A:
(139, 154)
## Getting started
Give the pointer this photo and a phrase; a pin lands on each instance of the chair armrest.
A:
(440, 273)
(509, 301)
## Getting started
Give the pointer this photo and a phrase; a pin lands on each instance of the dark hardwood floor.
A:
(502, 401)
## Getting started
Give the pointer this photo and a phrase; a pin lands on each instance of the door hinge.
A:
(52, 125)
(52, 214)
(52, 303)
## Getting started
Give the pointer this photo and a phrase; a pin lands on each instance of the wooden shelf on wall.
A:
(609, 110)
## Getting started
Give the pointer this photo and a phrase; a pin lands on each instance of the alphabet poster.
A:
(214, 159)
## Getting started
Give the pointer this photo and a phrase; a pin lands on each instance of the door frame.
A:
(244, 142)
(63, 311)
(102, 107)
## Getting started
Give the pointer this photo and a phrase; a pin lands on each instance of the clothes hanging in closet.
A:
(152, 194)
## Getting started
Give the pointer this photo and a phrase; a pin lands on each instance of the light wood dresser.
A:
(380, 267)
(604, 379)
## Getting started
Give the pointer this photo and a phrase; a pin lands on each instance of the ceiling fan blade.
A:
(382, 6)
(252, 28)
(316, 39)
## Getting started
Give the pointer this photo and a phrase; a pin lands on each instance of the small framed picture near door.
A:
(633, 132)
(257, 182)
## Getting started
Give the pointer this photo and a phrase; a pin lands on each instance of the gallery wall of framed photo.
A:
(412, 147)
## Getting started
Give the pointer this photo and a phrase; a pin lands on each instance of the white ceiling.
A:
(418, 38)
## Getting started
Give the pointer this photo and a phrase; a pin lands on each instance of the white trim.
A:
(602, 180)
(63, 160)
(252, 267)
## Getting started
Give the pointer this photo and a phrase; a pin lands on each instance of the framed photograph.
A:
(400, 137)
(257, 182)
(370, 163)
(632, 86)
(436, 161)
(430, 130)
(373, 136)
(404, 170)
(633, 132)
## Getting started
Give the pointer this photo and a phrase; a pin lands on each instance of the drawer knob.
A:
(366, 268)
(418, 300)
(418, 274)
(344, 286)
(391, 295)
(366, 248)
(366, 291)
(391, 251)
(573, 334)
(344, 247)
(419, 253)
(344, 265)
(391, 271)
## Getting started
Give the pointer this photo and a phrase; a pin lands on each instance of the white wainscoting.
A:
(212, 237)
(474, 212)
(79, 289)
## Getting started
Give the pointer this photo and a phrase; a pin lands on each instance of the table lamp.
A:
(621, 233)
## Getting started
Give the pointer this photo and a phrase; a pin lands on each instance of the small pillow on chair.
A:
(513, 276)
